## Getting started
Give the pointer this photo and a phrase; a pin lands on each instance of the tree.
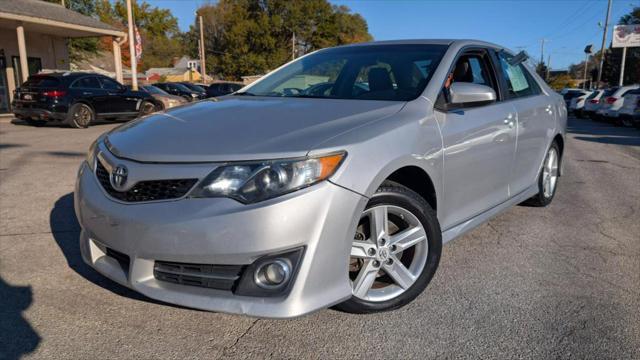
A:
(562, 81)
(246, 37)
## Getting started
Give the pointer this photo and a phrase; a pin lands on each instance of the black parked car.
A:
(78, 99)
(180, 90)
(196, 88)
(223, 88)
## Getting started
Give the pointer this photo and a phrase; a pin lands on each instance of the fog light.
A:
(273, 274)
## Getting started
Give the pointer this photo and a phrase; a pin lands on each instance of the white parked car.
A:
(576, 105)
(629, 113)
(592, 103)
(610, 105)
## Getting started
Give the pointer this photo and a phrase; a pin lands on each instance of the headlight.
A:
(258, 181)
(92, 153)
(194, 95)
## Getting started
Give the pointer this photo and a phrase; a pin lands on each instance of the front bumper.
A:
(220, 231)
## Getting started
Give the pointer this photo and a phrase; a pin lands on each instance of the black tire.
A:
(540, 199)
(146, 108)
(80, 116)
(391, 193)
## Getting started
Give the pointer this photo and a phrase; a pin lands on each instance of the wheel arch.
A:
(415, 178)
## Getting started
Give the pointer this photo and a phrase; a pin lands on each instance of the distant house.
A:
(186, 62)
(250, 78)
(172, 74)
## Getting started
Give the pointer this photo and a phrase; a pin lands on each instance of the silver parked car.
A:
(277, 201)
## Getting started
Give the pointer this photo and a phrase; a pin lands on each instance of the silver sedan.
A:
(333, 180)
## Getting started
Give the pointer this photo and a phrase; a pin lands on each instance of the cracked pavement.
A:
(538, 283)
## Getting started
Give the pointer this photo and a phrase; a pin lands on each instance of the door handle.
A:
(87, 93)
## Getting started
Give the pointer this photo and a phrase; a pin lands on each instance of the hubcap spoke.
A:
(379, 223)
(365, 279)
(399, 273)
(363, 249)
(407, 238)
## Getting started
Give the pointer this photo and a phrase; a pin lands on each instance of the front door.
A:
(479, 146)
(535, 118)
(121, 102)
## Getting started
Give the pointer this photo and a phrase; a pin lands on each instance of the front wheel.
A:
(146, 108)
(548, 178)
(395, 251)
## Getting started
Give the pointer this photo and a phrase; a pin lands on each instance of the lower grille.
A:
(146, 190)
(122, 259)
(222, 277)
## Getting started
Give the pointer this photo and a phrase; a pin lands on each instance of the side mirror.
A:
(463, 93)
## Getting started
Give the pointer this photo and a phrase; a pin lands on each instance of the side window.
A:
(520, 83)
(109, 84)
(89, 82)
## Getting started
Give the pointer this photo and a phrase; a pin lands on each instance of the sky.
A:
(567, 25)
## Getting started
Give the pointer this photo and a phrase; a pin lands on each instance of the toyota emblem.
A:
(118, 177)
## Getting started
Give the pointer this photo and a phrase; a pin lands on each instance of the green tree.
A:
(246, 37)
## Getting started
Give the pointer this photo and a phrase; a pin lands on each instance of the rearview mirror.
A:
(470, 94)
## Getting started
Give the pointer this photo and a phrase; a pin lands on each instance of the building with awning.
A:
(33, 37)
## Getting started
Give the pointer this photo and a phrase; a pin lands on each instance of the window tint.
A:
(519, 81)
(42, 81)
(378, 72)
(109, 84)
(89, 82)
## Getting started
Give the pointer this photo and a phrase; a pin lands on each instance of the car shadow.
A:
(17, 336)
(66, 232)
(604, 133)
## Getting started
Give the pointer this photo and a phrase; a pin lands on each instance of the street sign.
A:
(626, 36)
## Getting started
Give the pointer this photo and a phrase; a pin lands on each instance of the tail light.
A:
(54, 93)
(611, 100)
(593, 101)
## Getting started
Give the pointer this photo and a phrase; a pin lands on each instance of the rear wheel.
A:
(548, 178)
(395, 251)
(80, 116)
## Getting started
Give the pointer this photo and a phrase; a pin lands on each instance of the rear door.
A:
(89, 90)
(479, 145)
(536, 121)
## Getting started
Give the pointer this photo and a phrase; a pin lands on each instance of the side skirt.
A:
(482, 218)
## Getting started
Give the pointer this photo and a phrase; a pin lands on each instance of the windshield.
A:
(154, 90)
(377, 72)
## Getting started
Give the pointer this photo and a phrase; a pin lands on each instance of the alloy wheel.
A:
(388, 254)
(82, 116)
(550, 173)
(147, 108)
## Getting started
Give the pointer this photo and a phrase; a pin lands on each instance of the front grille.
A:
(222, 277)
(146, 190)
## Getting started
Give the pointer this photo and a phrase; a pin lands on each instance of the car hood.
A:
(236, 128)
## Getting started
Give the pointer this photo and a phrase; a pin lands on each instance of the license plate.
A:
(27, 97)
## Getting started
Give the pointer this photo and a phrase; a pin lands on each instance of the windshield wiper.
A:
(308, 96)
(245, 93)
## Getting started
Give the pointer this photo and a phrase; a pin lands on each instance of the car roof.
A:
(461, 42)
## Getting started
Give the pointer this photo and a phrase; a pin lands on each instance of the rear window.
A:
(571, 94)
(593, 95)
(42, 82)
(609, 92)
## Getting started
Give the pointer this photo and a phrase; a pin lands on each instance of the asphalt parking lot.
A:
(558, 282)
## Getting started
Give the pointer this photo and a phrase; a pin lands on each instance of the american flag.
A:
(138, 44)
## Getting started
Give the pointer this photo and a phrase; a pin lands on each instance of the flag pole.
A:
(132, 51)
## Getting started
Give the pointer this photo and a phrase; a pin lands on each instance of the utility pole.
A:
(604, 40)
(293, 46)
(132, 48)
(542, 41)
(624, 55)
(203, 65)
(548, 68)
(587, 52)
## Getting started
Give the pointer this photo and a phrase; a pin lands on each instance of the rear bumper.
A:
(38, 113)
(321, 219)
